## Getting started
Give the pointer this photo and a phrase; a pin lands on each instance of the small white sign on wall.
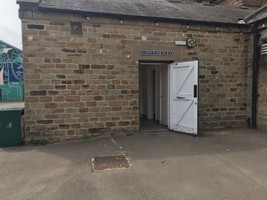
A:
(156, 52)
(180, 43)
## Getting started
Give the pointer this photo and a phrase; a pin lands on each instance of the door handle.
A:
(181, 98)
(195, 91)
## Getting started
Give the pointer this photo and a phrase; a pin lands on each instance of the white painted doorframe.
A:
(182, 106)
(164, 95)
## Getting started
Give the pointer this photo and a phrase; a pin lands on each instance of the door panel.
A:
(183, 97)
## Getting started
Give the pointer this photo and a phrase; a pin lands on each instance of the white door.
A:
(183, 97)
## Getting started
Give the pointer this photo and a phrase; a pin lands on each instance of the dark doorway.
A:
(153, 87)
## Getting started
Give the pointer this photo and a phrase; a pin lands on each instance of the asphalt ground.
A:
(218, 165)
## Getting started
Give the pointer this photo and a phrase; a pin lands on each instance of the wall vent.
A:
(35, 26)
(264, 49)
(174, 1)
(76, 28)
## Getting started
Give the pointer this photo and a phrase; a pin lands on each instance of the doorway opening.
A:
(154, 95)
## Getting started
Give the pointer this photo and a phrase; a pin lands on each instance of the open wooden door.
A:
(183, 79)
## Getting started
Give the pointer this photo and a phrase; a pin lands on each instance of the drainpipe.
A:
(256, 37)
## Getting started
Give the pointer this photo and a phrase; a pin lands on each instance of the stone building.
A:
(105, 67)
(259, 93)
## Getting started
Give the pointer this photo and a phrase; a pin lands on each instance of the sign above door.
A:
(156, 52)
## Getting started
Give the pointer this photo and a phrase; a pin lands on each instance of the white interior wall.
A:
(149, 93)
(164, 98)
(161, 90)
(143, 90)
(157, 93)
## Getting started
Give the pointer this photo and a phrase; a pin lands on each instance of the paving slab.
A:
(218, 165)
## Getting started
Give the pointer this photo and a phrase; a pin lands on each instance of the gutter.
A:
(255, 74)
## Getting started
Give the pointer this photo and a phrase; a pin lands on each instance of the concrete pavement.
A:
(221, 165)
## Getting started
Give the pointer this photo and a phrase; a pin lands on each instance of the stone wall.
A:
(224, 62)
(238, 3)
(257, 3)
(262, 87)
(86, 83)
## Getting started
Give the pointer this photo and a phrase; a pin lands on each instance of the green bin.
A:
(11, 127)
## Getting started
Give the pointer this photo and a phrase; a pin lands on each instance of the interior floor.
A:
(151, 125)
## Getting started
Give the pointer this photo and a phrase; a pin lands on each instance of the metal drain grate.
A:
(110, 162)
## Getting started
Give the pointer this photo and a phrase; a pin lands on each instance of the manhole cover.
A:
(110, 162)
